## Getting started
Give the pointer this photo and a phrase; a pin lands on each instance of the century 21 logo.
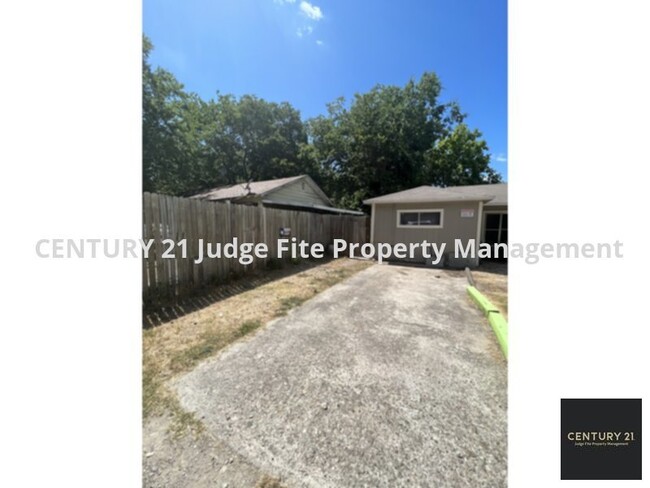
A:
(601, 436)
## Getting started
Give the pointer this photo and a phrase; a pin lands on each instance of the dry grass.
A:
(492, 280)
(268, 482)
(180, 345)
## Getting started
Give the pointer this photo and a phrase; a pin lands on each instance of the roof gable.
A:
(258, 189)
(302, 190)
(491, 194)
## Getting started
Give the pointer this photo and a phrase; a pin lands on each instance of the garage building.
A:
(442, 215)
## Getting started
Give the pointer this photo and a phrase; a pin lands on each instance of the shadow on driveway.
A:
(391, 378)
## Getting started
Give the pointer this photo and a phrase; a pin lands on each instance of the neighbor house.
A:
(295, 193)
(442, 215)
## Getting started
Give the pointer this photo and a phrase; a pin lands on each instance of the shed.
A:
(296, 193)
(442, 215)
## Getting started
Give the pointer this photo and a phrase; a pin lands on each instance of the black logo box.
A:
(596, 455)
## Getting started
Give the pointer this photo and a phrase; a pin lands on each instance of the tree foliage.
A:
(173, 123)
(460, 158)
(379, 144)
(388, 139)
(250, 139)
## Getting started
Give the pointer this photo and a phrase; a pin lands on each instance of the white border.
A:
(479, 223)
(372, 223)
(421, 210)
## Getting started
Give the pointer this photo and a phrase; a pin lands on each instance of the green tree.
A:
(172, 131)
(250, 139)
(461, 158)
(382, 142)
(388, 139)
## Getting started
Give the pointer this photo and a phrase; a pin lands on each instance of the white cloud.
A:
(311, 11)
(320, 43)
(500, 158)
(304, 31)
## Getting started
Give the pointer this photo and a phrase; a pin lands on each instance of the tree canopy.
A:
(388, 139)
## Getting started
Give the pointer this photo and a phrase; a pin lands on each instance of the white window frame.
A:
(420, 210)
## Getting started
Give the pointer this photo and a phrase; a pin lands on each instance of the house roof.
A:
(261, 191)
(324, 208)
(257, 189)
(240, 190)
(492, 195)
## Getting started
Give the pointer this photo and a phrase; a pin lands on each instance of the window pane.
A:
(504, 236)
(504, 221)
(430, 218)
(491, 236)
(492, 221)
(408, 218)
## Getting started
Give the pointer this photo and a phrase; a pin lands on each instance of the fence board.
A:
(155, 234)
(166, 217)
(147, 222)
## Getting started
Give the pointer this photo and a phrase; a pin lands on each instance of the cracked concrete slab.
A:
(391, 378)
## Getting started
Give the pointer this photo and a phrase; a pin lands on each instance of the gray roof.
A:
(325, 208)
(492, 195)
(255, 190)
(241, 190)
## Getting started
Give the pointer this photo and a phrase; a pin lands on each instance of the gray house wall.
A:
(454, 227)
(298, 192)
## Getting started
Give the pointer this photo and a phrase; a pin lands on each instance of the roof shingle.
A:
(494, 194)
(240, 190)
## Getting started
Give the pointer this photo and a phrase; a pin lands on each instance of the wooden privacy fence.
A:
(175, 218)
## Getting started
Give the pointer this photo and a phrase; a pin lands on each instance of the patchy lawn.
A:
(492, 280)
(181, 344)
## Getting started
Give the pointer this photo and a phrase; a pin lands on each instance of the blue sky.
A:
(310, 53)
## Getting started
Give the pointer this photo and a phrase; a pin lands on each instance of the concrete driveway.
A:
(391, 378)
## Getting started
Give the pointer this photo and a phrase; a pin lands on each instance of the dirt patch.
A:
(492, 280)
(174, 437)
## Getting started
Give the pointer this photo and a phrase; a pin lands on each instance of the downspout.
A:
(479, 224)
(372, 224)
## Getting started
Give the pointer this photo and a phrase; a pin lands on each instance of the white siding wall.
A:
(299, 192)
